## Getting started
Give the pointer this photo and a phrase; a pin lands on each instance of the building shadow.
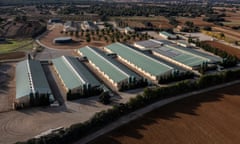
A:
(6, 76)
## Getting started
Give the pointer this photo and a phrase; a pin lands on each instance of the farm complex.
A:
(71, 71)
(122, 65)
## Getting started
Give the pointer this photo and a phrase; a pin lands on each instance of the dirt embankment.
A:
(12, 56)
(211, 117)
(26, 29)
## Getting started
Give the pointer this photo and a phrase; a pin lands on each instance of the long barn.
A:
(31, 80)
(75, 77)
(187, 58)
(143, 63)
(112, 70)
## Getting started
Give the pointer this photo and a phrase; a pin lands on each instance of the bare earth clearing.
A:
(211, 117)
(138, 21)
(48, 38)
(24, 124)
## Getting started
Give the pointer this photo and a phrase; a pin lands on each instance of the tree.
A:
(32, 100)
(189, 24)
(236, 42)
(104, 98)
(37, 99)
(88, 39)
(77, 34)
(17, 18)
(222, 35)
(24, 18)
(207, 28)
(106, 38)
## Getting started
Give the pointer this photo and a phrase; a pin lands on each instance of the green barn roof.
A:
(74, 73)
(146, 63)
(30, 78)
(105, 65)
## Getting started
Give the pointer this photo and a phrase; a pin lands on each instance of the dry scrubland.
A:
(138, 21)
(211, 117)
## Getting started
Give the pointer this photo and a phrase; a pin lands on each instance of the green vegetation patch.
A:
(16, 45)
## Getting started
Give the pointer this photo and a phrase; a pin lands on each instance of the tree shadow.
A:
(169, 112)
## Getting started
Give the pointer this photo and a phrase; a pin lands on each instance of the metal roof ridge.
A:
(146, 56)
(109, 62)
(202, 57)
(73, 69)
(30, 76)
(153, 40)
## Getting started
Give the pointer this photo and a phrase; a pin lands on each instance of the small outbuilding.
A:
(167, 35)
(62, 40)
(128, 30)
(55, 20)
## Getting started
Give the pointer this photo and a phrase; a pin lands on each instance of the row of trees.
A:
(179, 9)
(214, 18)
(150, 95)
(176, 76)
(228, 59)
(190, 27)
(134, 85)
(108, 35)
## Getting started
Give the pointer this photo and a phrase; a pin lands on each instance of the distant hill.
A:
(26, 29)
(229, 1)
(22, 2)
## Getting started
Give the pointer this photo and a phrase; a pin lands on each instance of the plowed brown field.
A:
(13, 55)
(228, 49)
(198, 21)
(208, 118)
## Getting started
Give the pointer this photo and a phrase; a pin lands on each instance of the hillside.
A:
(26, 29)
